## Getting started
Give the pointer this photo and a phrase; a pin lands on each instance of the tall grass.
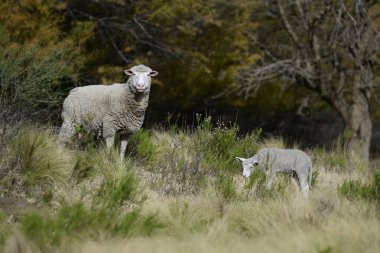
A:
(182, 190)
(184, 159)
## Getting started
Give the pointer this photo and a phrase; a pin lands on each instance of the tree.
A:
(329, 47)
(197, 46)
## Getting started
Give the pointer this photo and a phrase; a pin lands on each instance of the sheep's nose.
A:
(140, 85)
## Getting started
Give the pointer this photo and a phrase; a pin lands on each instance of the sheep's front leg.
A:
(66, 132)
(109, 134)
(123, 146)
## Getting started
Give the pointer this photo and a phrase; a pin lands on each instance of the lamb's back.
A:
(284, 159)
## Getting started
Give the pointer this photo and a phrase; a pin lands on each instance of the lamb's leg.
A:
(304, 185)
(270, 181)
(295, 180)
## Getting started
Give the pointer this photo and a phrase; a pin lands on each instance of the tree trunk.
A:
(360, 125)
(357, 119)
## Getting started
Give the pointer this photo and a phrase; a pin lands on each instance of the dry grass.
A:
(201, 220)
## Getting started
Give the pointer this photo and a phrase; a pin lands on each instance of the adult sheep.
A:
(107, 110)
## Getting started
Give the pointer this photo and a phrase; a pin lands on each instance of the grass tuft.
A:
(34, 158)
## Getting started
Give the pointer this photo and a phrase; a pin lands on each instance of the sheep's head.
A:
(248, 164)
(140, 78)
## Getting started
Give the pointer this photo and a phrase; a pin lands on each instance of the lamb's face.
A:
(140, 78)
(248, 165)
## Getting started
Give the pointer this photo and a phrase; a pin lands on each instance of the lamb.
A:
(107, 110)
(273, 160)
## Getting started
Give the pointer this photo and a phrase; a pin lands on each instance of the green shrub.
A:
(184, 158)
(314, 177)
(141, 146)
(220, 145)
(30, 83)
(120, 190)
(225, 186)
(134, 224)
(256, 183)
(353, 189)
(83, 167)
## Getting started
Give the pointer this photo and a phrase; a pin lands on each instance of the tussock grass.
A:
(182, 191)
(34, 158)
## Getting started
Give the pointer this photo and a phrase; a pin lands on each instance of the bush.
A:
(141, 146)
(226, 187)
(353, 189)
(183, 159)
(219, 146)
(116, 192)
(29, 85)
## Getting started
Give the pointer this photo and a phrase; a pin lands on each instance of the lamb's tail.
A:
(310, 175)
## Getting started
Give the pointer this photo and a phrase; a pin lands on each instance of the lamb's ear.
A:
(153, 73)
(128, 72)
(240, 159)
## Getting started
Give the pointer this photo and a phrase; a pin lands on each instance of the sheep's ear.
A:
(153, 73)
(240, 159)
(128, 72)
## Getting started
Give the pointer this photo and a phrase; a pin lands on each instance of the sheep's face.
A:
(140, 78)
(248, 165)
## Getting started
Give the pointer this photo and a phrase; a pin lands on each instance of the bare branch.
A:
(287, 24)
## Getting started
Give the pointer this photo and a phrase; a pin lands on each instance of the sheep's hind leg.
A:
(110, 141)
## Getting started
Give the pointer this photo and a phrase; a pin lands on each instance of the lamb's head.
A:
(140, 78)
(248, 164)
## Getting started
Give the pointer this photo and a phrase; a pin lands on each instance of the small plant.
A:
(134, 224)
(83, 167)
(117, 192)
(314, 177)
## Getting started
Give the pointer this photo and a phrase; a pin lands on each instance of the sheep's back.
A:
(87, 105)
